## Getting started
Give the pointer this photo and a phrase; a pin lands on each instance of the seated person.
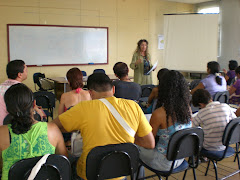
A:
(213, 117)
(230, 75)
(25, 137)
(124, 87)
(214, 82)
(77, 94)
(17, 72)
(154, 93)
(234, 90)
(98, 126)
(167, 119)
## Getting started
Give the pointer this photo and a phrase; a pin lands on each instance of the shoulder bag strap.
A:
(118, 117)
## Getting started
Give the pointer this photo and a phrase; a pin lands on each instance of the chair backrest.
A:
(185, 143)
(99, 71)
(36, 77)
(231, 133)
(7, 119)
(45, 99)
(147, 89)
(222, 97)
(56, 167)
(84, 73)
(111, 161)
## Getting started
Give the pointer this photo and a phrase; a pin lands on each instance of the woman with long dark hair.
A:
(141, 63)
(214, 82)
(172, 114)
(25, 137)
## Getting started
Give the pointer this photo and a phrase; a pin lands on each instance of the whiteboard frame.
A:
(41, 25)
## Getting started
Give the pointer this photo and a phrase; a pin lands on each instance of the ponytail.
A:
(22, 122)
(19, 103)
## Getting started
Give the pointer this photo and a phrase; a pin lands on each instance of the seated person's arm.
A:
(152, 96)
(199, 86)
(56, 139)
(226, 76)
(61, 105)
(59, 124)
(145, 141)
(232, 89)
(237, 112)
(38, 110)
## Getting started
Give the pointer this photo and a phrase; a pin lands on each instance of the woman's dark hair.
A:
(174, 96)
(19, 103)
(201, 96)
(120, 69)
(161, 72)
(233, 64)
(214, 68)
(75, 78)
(237, 70)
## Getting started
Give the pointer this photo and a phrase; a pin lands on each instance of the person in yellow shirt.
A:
(98, 126)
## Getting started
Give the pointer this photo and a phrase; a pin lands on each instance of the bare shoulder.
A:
(52, 127)
(3, 130)
(159, 113)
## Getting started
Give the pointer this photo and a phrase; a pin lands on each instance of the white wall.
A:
(230, 32)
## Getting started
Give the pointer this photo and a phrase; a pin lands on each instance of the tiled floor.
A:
(225, 167)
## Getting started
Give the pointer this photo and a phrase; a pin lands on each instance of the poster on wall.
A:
(160, 42)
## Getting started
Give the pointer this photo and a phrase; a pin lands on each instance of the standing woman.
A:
(141, 63)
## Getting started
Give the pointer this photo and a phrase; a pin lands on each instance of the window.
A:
(212, 10)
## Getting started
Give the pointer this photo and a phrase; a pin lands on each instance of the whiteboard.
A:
(44, 45)
(191, 41)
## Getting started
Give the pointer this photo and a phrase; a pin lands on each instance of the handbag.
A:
(76, 144)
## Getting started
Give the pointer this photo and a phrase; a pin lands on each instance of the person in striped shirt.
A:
(212, 117)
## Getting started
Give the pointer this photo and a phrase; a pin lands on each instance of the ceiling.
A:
(190, 1)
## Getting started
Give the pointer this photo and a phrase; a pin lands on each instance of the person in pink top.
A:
(16, 72)
(77, 94)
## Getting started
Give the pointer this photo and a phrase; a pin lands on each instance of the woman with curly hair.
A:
(172, 114)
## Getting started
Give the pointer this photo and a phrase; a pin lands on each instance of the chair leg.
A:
(194, 174)
(160, 178)
(215, 168)
(207, 168)
(185, 173)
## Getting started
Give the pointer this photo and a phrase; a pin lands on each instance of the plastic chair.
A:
(46, 100)
(146, 91)
(230, 136)
(56, 167)
(84, 73)
(36, 81)
(99, 71)
(111, 161)
(222, 97)
(183, 143)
